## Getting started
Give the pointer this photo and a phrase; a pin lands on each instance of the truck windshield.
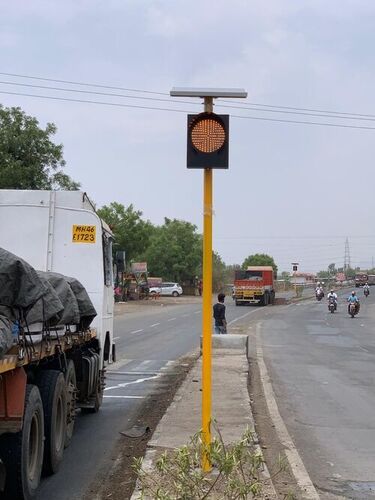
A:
(249, 275)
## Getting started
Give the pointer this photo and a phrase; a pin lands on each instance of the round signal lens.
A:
(208, 135)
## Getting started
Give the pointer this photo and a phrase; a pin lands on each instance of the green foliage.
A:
(131, 232)
(178, 474)
(259, 259)
(28, 157)
(218, 273)
(175, 251)
(285, 275)
(332, 269)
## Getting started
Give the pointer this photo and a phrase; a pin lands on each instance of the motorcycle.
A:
(332, 305)
(366, 292)
(319, 295)
(353, 309)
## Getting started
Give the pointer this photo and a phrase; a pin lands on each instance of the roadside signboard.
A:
(139, 267)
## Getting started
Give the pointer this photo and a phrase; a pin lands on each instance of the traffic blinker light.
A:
(207, 141)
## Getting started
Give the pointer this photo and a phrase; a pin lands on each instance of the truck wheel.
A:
(71, 391)
(238, 303)
(53, 391)
(22, 453)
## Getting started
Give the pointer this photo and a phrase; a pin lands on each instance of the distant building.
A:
(340, 277)
(299, 278)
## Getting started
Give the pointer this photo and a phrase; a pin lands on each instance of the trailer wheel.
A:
(71, 391)
(53, 391)
(22, 453)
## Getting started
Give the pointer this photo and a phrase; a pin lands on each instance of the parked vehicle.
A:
(254, 286)
(61, 324)
(173, 289)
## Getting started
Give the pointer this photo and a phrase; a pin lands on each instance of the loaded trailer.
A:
(56, 328)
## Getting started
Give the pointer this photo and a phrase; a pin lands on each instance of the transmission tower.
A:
(347, 255)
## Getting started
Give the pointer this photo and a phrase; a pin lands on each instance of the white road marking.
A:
(115, 338)
(197, 312)
(244, 316)
(172, 319)
(185, 315)
(155, 324)
(125, 397)
(296, 464)
(138, 381)
(137, 331)
(131, 373)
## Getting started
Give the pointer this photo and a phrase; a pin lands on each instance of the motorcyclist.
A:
(353, 298)
(366, 288)
(319, 290)
(332, 295)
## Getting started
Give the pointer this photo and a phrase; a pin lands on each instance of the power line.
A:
(93, 92)
(303, 122)
(115, 104)
(112, 87)
(66, 99)
(85, 84)
(336, 116)
(158, 99)
(313, 110)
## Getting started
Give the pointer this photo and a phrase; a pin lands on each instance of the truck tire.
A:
(71, 391)
(22, 453)
(53, 391)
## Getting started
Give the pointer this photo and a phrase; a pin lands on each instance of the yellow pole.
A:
(207, 307)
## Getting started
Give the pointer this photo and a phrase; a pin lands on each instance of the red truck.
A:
(255, 285)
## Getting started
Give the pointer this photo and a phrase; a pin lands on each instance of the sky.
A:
(293, 190)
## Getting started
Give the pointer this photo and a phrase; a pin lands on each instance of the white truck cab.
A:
(60, 231)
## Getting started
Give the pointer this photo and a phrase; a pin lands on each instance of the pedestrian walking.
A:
(219, 315)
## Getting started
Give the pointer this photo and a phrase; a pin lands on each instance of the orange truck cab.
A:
(255, 285)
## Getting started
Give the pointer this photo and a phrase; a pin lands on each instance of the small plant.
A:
(177, 475)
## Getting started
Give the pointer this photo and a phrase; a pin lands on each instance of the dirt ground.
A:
(284, 482)
(120, 482)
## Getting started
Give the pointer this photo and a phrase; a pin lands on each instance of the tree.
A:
(28, 157)
(259, 259)
(218, 273)
(131, 232)
(332, 269)
(285, 275)
(175, 251)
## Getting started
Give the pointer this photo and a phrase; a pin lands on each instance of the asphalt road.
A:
(322, 368)
(150, 339)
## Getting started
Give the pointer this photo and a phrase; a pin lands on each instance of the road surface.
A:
(322, 368)
(149, 340)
